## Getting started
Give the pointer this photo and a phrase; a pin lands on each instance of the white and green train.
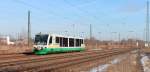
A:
(52, 43)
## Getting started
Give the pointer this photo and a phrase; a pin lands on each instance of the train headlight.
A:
(38, 48)
(41, 48)
(34, 47)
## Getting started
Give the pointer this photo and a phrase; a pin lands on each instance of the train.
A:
(54, 43)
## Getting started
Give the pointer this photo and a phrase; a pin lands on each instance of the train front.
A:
(40, 44)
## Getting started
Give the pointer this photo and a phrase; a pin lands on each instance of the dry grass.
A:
(125, 65)
(9, 49)
(146, 50)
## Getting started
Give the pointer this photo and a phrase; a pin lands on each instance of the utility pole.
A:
(29, 29)
(66, 33)
(112, 41)
(74, 35)
(90, 31)
(147, 25)
(130, 36)
(73, 25)
(119, 41)
(99, 41)
(82, 34)
(99, 36)
(119, 37)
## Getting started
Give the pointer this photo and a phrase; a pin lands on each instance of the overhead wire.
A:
(81, 10)
(49, 12)
(39, 9)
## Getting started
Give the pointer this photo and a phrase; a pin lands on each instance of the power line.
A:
(52, 13)
(39, 9)
(81, 10)
(85, 2)
(87, 14)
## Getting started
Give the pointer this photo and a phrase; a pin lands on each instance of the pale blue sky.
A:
(57, 16)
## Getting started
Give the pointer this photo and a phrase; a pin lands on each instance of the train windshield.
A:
(41, 39)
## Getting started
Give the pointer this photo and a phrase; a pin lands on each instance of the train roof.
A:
(58, 35)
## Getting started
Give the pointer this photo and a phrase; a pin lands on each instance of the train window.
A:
(41, 39)
(81, 41)
(61, 42)
(65, 42)
(71, 42)
(77, 42)
(50, 40)
(57, 39)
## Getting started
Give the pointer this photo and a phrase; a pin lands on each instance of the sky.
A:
(68, 17)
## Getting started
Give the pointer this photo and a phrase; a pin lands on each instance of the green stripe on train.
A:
(57, 50)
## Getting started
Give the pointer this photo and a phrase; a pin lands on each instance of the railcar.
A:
(53, 43)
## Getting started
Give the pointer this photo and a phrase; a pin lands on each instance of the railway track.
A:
(60, 65)
(55, 61)
(56, 66)
(10, 56)
(16, 58)
(38, 59)
(22, 58)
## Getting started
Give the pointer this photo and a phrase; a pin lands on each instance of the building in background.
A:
(6, 40)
